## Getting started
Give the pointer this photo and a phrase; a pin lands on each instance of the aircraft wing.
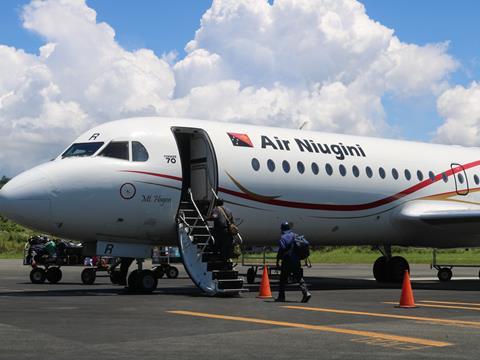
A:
(437, 212)
(438, 223)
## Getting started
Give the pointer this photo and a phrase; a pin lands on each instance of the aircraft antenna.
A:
(303, 125)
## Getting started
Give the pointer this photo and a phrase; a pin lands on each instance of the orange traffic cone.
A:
(265, 292)
(406, 300)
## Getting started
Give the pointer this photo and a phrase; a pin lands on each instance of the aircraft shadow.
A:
(314, 283)
(329, 283)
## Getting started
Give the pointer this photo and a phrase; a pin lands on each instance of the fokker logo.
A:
(240, 139)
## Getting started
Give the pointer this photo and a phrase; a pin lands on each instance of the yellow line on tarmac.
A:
(393, 316)
(440, 306)
(369, 334)
(449, 302)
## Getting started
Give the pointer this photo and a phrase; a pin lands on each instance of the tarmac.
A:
(349, 316)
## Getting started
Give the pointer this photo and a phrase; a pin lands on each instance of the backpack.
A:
(231, 227)
(301, 247)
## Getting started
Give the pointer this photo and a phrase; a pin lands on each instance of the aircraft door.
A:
(199, 166)
(461, 180)
(199, 169)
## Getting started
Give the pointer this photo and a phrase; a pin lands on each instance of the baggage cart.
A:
(445, 272)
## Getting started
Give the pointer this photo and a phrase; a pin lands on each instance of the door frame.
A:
(187, 167)
(461, 188)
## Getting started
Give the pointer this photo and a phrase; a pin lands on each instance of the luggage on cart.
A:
(46, 256)
(163, 257)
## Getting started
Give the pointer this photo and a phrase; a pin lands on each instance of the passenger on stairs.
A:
(222, 218)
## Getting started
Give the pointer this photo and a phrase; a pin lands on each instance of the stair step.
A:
(225, 275)
(211, 257)
(230, 284)
(200, 243)
(200, 231)
(219, 265)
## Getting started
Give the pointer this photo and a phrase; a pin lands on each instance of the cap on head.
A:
(285, 226)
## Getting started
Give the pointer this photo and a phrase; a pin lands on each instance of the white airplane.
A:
(127, 185)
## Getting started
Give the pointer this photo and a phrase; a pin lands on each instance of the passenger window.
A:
(369, 171)
(381, 172)
(419, 175)
(116, 150)
(255, 164)
(342, 169)
(395, 173)
(271, 165)
(444, 177)
(329, 169)
(82, 149)
(460, 178)
(315, 168)
(408, 176)
(139, 153)
(286, 166)
(300, 167)
(476, 179)
(431, 175)
(355, 171)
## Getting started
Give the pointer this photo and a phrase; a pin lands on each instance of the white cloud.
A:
(321, 61)
(460, 107)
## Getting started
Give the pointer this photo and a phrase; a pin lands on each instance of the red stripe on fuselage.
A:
(334, 207)
(154, 174)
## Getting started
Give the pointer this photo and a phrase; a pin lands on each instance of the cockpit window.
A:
(116, 149)
(82, 149)
(139, 153)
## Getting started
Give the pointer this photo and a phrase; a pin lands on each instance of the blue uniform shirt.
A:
(285, 247)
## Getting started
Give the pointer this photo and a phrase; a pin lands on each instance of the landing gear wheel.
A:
(158, 271)
(88, 276)
(381, 270)
(444, 274)
(147, 281)
(54, 275)
(115, 277)
(133, 284)
(38, 276)
(398, 265)
(251, 274)
(172, 272)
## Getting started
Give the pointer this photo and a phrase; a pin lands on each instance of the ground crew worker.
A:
(290, 264)
(222, 218)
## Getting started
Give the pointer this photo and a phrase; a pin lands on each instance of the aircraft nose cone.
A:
(26, 200)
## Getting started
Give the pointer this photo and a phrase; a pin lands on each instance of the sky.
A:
(401, 69)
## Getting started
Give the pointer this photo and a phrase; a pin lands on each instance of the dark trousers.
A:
(224, 244)
(291, 268)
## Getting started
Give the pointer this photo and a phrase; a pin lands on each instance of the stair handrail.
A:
(214, 193)
(210, 237)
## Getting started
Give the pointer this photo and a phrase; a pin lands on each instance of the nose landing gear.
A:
(143, 281)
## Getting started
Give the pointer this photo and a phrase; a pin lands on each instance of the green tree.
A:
(3, 181)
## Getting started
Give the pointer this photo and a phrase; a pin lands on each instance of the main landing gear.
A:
(389, 269)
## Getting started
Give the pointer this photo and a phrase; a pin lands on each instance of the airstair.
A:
(201, 258)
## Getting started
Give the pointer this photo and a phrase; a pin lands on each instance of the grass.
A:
(12, 239)
(12, 244)
(365, 255)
